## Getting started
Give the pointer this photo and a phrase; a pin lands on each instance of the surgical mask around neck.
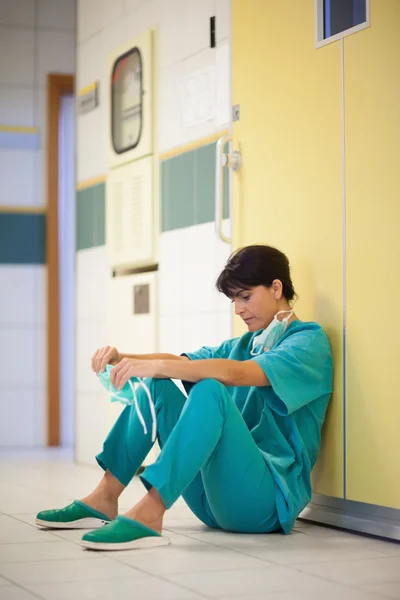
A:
(127, 396)
(271, 334)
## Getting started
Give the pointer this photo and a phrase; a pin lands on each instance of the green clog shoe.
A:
(74, 516)
(123, 534)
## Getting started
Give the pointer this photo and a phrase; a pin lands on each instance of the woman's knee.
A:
(210, 391)
(166, 388)
(208, 386)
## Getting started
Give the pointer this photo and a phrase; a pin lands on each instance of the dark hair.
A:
(255, 265)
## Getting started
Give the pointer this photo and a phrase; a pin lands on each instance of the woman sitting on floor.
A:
(240, 448)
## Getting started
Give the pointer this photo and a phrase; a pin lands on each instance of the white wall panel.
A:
(17, 12)
(18, 43)
(55, 53)
(56, 14)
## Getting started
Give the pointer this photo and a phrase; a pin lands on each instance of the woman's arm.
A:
(229, 372)
(156, 356)
(109, 355)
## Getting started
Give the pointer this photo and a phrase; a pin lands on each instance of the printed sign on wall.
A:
(88, 98)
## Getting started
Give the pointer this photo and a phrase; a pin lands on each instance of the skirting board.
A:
(369, 519)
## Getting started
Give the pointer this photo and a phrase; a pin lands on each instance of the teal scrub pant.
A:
(208, 456)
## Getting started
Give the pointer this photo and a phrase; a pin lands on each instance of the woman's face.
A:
(257, 306)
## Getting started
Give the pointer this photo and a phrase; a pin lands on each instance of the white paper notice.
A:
(198, 97)
(223, 85)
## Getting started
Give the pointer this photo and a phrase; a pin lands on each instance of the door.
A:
(372, 134)
(66, 253)
(288, 192)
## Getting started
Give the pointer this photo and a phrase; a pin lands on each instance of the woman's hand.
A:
(131, 367)
(103, 357)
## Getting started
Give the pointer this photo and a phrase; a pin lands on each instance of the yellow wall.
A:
(372, 134)
(289, 190)
(320, 162)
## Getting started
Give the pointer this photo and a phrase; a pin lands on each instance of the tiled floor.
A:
(310, 564)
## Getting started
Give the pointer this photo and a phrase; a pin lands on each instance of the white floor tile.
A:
(170, 560)
(15, 532)
(73, 536)
(16, 499)
(352, 541)
(185, 526)
(143, 588)
(310, 563)
(16, 593)
(182, 540)
(232, 540)
(383, 547)
(176, 541)
(286, 553)
(357, 572)
(333, 592)
(328, 533)
(249, 582)
(387, 590)
(60, 571)
(11, 553)
(28, 518)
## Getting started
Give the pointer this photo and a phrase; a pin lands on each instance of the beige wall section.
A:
(289, 190)
(372, 92)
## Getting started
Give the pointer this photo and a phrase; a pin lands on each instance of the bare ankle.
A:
(110, 485)
(104, 497)
(149, 511)
(109, 488)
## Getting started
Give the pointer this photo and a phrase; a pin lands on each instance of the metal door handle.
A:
(232, 161)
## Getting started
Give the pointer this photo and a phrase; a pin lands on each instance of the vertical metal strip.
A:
(344, 233)
(230, 172)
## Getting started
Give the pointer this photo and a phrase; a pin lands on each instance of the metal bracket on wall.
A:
(236, 112)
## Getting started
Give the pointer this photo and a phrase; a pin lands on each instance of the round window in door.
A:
(126, 101)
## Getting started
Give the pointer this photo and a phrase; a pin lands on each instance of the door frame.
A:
(58, 85)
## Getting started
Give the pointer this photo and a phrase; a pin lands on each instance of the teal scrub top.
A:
(285, 418)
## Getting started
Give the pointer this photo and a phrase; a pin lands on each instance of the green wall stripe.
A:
(188, 189)
(22, 239)
(177, 196)
(90, 217)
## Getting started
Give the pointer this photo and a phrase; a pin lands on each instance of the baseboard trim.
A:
(369, 519)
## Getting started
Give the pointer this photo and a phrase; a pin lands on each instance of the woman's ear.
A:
(277, 289)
